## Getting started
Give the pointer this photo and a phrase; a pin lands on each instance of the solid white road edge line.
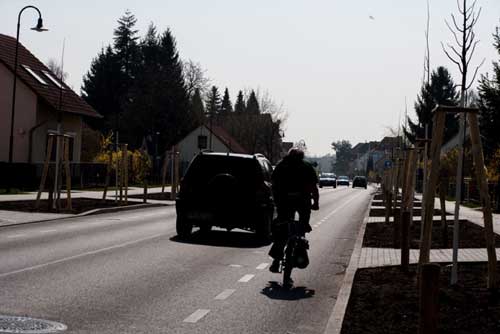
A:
(48, 231)
(15, 236)
(69, 258)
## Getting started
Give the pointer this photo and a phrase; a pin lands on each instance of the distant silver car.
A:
(328, 179)
(343, 181)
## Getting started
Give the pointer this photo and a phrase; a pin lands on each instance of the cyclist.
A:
(294, 183)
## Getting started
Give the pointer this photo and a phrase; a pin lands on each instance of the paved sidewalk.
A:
(378, 257)
(473, 215)
(17, 217)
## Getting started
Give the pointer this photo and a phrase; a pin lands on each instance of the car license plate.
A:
(200, 215)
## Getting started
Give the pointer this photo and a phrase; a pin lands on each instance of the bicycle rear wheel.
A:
(288, 266)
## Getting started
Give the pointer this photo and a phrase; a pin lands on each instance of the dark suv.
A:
(226, 190)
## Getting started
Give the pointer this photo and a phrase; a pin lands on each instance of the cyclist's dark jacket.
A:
(294, 177)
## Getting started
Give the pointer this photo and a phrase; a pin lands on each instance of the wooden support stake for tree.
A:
(409, 188)
(388, 207)
(477, 152)
(67, 171)
(176, 171)
(429, 303)
(396, 227)
(443, 183)
(404, 177)
(45, 170)
(437, 138)
(405, 240)
(395, 183)
(125, 170)
(164, 173)
(108, 174)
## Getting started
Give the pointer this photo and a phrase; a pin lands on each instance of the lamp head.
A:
(39, 26)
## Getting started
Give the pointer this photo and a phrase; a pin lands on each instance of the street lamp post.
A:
(39, 27)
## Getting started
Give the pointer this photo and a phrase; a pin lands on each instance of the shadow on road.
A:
(219, 238)
(275, 290)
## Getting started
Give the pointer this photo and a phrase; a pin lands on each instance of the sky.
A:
(343, 70)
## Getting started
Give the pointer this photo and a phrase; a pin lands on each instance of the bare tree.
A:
(56, 68)
(195, 77)
(427, 58)
(461, 55)
(465, 38)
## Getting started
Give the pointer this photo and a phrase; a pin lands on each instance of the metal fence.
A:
(25, 176)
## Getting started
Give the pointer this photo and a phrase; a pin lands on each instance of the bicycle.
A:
(295, 255)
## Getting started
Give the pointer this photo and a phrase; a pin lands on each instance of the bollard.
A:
(405, 240)
(429, 306)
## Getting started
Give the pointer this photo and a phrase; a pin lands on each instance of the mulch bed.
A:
(157, 196)
(470, 235)
(385, 300)
(79, 205)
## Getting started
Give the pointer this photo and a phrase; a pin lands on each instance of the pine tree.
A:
(489, 105)
(197, 108)
(125, 44)
(100, 89)
(252, 106)
(172, 99)
(226, 106)
(239, 106)
(213, 102)
(441, 90)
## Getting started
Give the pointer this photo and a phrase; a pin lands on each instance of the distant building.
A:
(371, 156)
(39, 97)
(215, 139)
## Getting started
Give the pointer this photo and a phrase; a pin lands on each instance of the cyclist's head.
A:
(296, 153)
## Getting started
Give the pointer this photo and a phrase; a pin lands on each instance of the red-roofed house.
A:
(202, 138)
(38, 94)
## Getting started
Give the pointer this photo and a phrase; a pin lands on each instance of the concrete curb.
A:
(334, 325)
(93, 212)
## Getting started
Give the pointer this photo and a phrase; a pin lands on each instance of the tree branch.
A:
(451, 58)
(475, 73)
(455, 23)
(453, 32)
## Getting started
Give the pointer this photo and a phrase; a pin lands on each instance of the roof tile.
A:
(49, 93)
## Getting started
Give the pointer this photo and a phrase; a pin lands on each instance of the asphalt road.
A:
(128, 273)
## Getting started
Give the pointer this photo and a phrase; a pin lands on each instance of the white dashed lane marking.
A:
(236, 265)
(225, 294)
(196, 316)
(246, 278)
(262, 266)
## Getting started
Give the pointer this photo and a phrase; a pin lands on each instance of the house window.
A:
(34, 75)
(202, 142)
(54, 80)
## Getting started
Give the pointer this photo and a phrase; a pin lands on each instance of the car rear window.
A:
(205, 167)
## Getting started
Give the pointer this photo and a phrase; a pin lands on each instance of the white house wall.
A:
(25, 115)
(188, 147)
